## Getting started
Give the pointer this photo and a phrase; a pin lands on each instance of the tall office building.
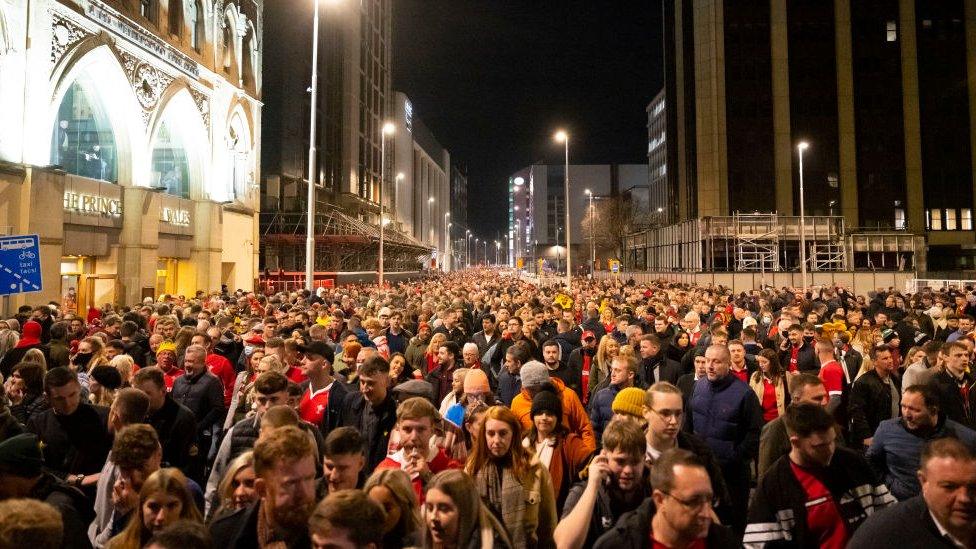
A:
(657, 209)
(880, 89)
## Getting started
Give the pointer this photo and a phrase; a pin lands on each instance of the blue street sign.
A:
(20, 264)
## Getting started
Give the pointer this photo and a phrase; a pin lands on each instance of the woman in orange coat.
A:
(565, 454)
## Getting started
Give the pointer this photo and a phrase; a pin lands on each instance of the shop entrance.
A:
(170, 272)
(82, 288)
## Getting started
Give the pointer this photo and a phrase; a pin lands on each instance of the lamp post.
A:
(396, 195)
(515, 263)
(485, 244)
(467, 250)
(800, 147)
(447, 240)
(310, 225)
(388, 129)
(589, 193)
(563, 137)
(498, 248)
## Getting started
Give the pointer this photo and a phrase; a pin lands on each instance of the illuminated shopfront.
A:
(132, 153)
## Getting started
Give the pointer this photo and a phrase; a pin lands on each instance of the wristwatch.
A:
(77, 480)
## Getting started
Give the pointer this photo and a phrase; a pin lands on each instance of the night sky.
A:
(493, 79)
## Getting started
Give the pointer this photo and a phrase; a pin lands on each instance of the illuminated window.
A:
(197, 25)
(83, 142)
(170, 168)
(149, 9)
(950, 219)
(891, 31)
(935, 220)
(966, 219)
(899, 218)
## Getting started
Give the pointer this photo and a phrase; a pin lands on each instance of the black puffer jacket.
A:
(634, 527)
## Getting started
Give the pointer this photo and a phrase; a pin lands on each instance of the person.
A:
(487, 339)
(30, 338)
(284, 466)
(217, 365)
(346, 519)
(397, 336)
(662, 411)
(617, 482)
(943, 515)
(456, 516)
(509, 381)
(679, 512)
(236, 489)
(796, 354)
(392, 490)
(270, 390)
(203, 394)
(726, 414)
(819, 494)
(25, 391)
(655, 365)
(922, 370)
(623, 373)
(416, 418)
(564, 453)
(875, 397)
(834, 379)
(442, 376)
(742, 365)
(166, 361)
(343, 460)
(173, 422)
(372, 411)
(323, 399)
(581, 361)
(74, 434)
(163, 499)
(687, 381)
(457, 390)
(516, 487)
(774, 440)
(22, 476)
(535, 376)
(896, 446)
(956, 386)
(30, 523)
(599, 376)
(181, 534)
(769, 383)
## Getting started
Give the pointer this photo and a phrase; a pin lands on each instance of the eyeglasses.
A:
(668, 414)
(696, 502)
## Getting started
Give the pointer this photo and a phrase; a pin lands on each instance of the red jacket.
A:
(440, 462)
(222, 368)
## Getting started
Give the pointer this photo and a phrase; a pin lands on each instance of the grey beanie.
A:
(534, 374)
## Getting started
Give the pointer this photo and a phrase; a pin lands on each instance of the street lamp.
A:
(430, 219)
(467, 250)
(800, 147)
(388, 129)
(447, 240)
(589, 193)
(396, 193)
(498, 248)
(476, 239)
(562, 137)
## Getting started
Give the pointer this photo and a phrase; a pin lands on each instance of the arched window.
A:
(170, 167)
(83, 142)
(247, 70)
(240, 152)
(175, 16)
(228, 43)
(150, 10)
(197, 25)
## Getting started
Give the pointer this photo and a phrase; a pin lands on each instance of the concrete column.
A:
(782, 136)
(845, 112)
(713, 183)
(970, 16)
(680, 140)
(206, 251)
(139, 247)
(910, 113)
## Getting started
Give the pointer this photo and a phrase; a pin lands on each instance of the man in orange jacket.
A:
(534, 375)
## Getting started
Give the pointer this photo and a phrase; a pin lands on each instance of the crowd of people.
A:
(475, 409)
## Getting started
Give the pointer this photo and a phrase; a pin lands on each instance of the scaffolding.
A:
(757, 242)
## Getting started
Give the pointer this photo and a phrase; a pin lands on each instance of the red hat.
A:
(255, 340)
(588, 334)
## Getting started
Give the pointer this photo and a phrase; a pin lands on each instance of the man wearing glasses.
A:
(664, 411)
(818, 494)
(679, 512)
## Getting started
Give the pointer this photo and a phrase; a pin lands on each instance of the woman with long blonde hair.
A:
(605, 352)
(236, 489)
(163, 500)
(392, 490)
(509, 479)
(430, 356)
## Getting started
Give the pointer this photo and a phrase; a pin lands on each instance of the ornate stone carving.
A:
(202, 102)
(65, 33)
(148, 82)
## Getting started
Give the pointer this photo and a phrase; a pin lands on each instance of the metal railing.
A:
(915, 284)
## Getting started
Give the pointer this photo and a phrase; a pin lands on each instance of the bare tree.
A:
(611, 219)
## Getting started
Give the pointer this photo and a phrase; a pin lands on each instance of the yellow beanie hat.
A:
(629, 401)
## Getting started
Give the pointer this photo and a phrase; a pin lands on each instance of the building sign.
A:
(91, 204)
(117, 23)
(408, 114)
(175, 217)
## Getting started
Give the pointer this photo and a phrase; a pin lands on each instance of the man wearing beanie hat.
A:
(629, 402)
(563, 453)
(21, 476)
(30, 338)
(623, 372)
(534, 375)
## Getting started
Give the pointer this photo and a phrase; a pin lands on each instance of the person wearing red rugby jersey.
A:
(166, 360)
(322, 397)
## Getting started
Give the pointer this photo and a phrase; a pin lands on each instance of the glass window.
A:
(240, 153)
(170, 168)
(935, 221)
(966, 219)
(83, 142)
(899, 218)
(950, 219)
(891, 31)
(197, 24)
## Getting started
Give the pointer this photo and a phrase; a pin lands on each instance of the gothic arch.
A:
(178, 111)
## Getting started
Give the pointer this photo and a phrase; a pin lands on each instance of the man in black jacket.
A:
(819, 494)
(955, 385)
(284, 464)
(175, 424)
(944, 515)
(372, 411)
(655, 366)
(203, 393)
(796, 354)
(678, 513)
(581, 360)
(875, 397)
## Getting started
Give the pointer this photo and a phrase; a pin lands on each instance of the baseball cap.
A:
(320, 348)
(588, 334)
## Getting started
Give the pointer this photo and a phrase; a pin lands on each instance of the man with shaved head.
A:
(727, 415)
